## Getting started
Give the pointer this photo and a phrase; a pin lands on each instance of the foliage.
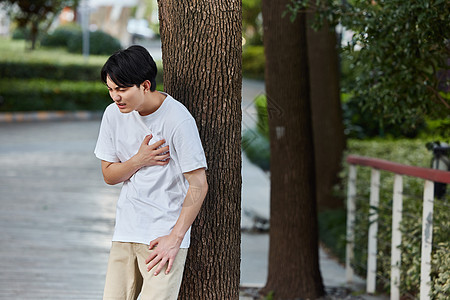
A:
(441, 283)
(332, 228)
(100, 43)
(16, 62)
(51, 79)
(71, 37)
(253, 62)
(31, 14)
(404, 48)
(20, 34)
(262, 121)
(252, 22)
(40, 94)
(61, 36)
(256, 143)
(257, 148)
(14, 51)
(360, 123)
(49, 71)
(439, 126)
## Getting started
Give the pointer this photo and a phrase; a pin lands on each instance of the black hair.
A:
(131, 66)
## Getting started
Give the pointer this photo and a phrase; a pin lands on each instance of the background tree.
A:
(31, 13)
(293, 252)
(402, 55)
(325, 97)
(202, 48)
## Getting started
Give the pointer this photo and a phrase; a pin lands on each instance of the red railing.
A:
(385, 165)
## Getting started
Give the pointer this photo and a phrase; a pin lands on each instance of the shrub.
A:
(61, 36)
(39, 94)
(360, 123)
(256, 143)
(20, 33)
(257, 148)
(253, 62)
(49, 71)
(100, 43)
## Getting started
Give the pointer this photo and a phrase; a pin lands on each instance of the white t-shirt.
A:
(150, 201)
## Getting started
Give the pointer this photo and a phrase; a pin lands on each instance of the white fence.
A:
(430, 176)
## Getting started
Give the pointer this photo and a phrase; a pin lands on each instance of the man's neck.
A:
(153, 101)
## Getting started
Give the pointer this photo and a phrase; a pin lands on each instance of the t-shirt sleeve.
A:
(188, 146)
(105, 149)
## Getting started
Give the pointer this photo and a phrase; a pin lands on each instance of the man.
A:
(150, 142)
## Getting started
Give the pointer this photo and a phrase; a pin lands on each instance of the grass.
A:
(18, 51)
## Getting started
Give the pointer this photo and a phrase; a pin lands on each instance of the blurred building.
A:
(4, 21)
(114, 16)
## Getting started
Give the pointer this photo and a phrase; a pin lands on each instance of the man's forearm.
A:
(114, 173)
(148, 155)
(198, 188)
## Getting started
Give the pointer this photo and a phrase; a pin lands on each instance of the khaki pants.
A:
(127, 275)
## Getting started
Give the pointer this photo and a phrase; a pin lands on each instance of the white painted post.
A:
(397, 209)
(351, 207)
(373, 230)
(427, 239)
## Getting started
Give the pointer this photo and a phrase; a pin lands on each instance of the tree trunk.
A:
(34, 33)
(293, 252)
(202, 49)
(329, 139)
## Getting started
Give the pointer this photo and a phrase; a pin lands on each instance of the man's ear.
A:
(147, 85)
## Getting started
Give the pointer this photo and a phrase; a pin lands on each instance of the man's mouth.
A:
(121, 105)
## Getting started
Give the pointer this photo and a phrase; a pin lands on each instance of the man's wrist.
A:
(135, 162)
(178, 236)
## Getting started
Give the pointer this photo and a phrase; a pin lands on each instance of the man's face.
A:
(126, 98)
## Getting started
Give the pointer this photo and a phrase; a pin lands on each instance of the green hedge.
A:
(37, 69)
(39, 94)
(49, 71)
(99, 43)
(253, 62)
(71, 37)
(61, 36)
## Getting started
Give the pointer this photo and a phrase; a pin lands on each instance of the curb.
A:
(42, 116)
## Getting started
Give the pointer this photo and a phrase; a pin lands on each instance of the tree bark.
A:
(293, 252)
(329, 139)
(202, 49)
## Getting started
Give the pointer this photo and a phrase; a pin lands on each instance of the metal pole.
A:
(85, 27)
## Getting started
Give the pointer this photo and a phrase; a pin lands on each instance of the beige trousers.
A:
(127, 275)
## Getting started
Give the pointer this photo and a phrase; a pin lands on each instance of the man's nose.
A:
(115, 97)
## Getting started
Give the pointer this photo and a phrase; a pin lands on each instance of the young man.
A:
(150, 142)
